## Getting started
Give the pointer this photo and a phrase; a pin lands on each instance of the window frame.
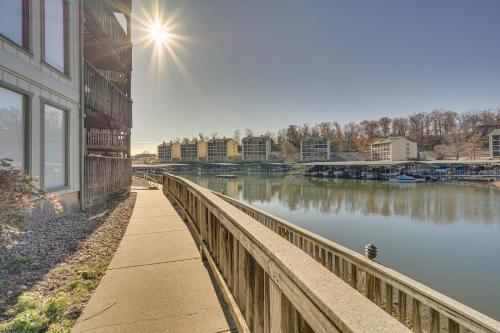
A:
(66, 41)
(66, 122)
(25, 27)
(27, 123)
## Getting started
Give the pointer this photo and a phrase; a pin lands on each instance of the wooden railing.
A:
(103, 96)
(415, 305)
(99, 16)
(269, 284)
(105, 177)
(106, 140)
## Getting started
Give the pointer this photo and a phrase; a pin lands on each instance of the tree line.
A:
(431, 130)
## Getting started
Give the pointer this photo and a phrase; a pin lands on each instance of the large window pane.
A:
(54, 147)
(12, 127)
(54, 43)
(11, 20)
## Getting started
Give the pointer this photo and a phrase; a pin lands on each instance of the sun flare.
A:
(159, 33)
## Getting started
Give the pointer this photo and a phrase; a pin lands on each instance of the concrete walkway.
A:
(156, 280)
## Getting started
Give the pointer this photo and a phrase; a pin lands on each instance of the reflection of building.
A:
(46, 86)
(256, 148)
(193, 151)
(256, 188)
(220, 150)
(315, 149)
(394, 149)
(495, 144)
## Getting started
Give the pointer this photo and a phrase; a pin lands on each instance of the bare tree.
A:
(248, 132)
(237, 135)
(385, 126)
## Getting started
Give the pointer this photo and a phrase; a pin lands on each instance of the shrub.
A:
(30, 321)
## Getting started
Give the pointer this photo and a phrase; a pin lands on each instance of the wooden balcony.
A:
(106, 140)
(106, 106)
(107, 45)
(105, 178)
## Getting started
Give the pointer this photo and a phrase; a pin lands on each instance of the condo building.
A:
(393, 149)
(193, 151)
(256, 148)
(65, 107)
(221, 150)
(314, 149)
(164, 152)
(495, 144)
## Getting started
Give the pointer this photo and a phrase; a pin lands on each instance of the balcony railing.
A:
(103, 96)
(107, 140)
(106, 177)
(103, 24)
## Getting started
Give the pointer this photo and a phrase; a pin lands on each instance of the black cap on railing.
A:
(370, 251)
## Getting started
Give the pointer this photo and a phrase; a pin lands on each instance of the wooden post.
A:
(453, 326)
(266, 304)
(242, 259)
(345, 270)
(274, 308)
(250, 283)
(402, 307)
(354, 276)
(258, 300)
(435, 325)
(388, 299)
(378, 290)
(417, 324)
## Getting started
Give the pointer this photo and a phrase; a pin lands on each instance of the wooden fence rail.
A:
(417, 306)
(269, 284)
(105, 177)
(106, 140)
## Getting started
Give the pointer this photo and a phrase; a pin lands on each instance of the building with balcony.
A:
(256, 148)
(222, 150)
(193, 151)
(169, 152)
(314, 149)
(495, 144)
(65, 107)
(393, 149)
(107, 68)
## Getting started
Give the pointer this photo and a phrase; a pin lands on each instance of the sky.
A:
(264, 64)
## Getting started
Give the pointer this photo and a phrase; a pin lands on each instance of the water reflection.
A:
(439, 203)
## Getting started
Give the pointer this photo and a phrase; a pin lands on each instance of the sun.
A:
(159, 33)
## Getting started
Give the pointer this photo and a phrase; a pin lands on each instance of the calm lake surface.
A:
(445, 235)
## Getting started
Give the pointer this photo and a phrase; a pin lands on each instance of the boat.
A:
(226, 176)
(407, 179)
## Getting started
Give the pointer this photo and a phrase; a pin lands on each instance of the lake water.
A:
(445, 235)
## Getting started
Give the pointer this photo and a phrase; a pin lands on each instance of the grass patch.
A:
(56, 314)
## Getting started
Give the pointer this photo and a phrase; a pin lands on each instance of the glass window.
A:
(13, 21)
(12, 127)
(54, 32)
(54, 149)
